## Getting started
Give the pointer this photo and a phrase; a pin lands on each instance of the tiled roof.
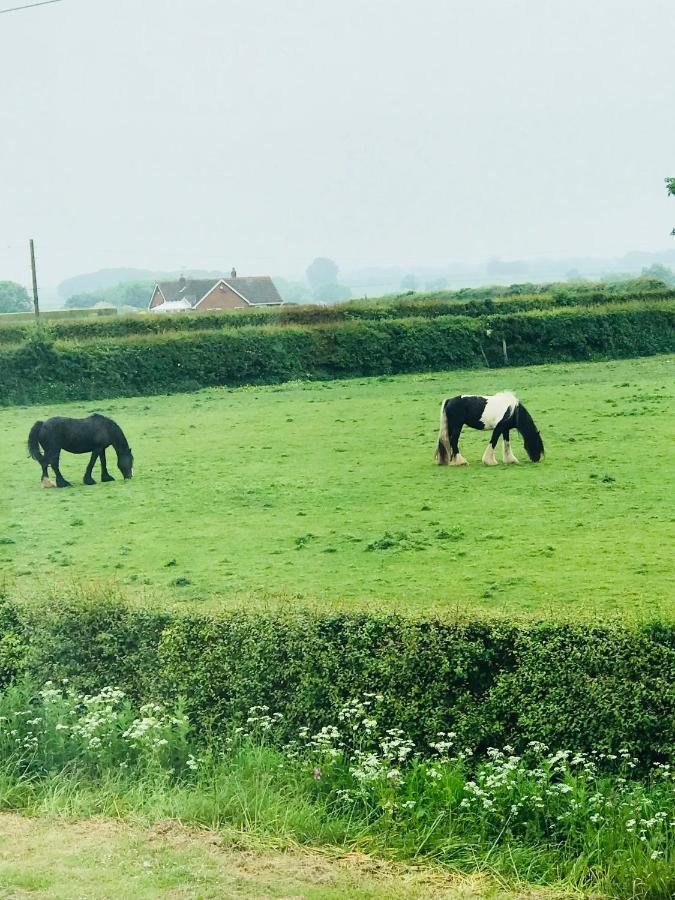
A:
(256, 289)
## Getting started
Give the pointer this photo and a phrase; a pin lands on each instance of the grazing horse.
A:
(90, 435)
(499, 412)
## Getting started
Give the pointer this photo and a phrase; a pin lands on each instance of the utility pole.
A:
(36, 303)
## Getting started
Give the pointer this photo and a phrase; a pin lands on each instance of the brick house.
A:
(208, 294)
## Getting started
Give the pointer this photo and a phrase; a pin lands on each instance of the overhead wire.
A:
(29, 6)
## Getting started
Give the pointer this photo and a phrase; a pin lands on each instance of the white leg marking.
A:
(508, 455)
(47, 483)
(459, 460)
(489, 456)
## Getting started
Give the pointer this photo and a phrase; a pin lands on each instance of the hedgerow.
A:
(594, 688)
(43, 369)
(602, 821)
(470, 302)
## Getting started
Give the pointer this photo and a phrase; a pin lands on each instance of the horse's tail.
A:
(442, 456)
(34, 443)
(534, 446)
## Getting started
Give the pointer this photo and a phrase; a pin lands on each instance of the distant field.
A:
(327, 492)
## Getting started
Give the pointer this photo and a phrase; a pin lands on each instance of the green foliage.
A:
(13, 297)
(662, 273)
(129, 293)
(250, 355)
(332, 293)
(82, 301)
(473, 302)
(18, 327)
(292, 291)
(542, 814)
(86, 641)
(492, 683)
(13, 643)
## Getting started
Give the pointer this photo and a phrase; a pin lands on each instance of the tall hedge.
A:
(473, 303)
(583, 687)
(41, 370)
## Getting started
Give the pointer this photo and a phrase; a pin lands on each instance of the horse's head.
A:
(125, 462)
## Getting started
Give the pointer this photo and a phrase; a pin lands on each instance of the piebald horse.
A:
(500, 413)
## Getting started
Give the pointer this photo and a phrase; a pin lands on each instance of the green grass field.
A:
(327, 492)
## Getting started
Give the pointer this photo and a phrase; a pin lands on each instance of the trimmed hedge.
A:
(428, 306)
(577, 686)
(41, 370)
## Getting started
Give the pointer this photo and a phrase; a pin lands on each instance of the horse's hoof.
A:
(63, 484)
(107, 478)
(490, 462)
(89, 480)
(47, 483)
(459, 461)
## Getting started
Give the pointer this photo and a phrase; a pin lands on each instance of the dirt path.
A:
(99, 859)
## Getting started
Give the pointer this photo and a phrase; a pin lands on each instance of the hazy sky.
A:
(202, 133)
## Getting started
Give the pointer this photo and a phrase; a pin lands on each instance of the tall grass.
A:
(544, 816)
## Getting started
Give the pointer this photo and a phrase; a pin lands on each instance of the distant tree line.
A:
(14, 297)
(134, 294)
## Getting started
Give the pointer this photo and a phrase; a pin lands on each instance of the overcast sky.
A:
(262, 133)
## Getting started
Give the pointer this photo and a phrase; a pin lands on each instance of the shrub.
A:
(541, 814)
(591, 688)
(42, 368)
(472, 302)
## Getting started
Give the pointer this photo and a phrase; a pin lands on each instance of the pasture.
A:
(327, 493)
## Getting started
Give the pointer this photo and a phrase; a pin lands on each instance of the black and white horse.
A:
(500, 412)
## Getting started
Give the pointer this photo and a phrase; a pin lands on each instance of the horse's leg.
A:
(508, 454)
(87, 475)
(489, 455)
(456, 458)
(54, 463)
(44, 465)
(105, 474)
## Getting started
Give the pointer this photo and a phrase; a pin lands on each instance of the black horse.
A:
(90, 435)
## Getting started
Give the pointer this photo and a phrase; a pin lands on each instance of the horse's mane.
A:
(118, 437)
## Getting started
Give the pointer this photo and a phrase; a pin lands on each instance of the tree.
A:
(332, 293)
(129, 293)
(82, 301)
(292, 291)
(663, 273)
(670, 189)
(321, 272)
(409, 283)
(14, 297)
(574, 275)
